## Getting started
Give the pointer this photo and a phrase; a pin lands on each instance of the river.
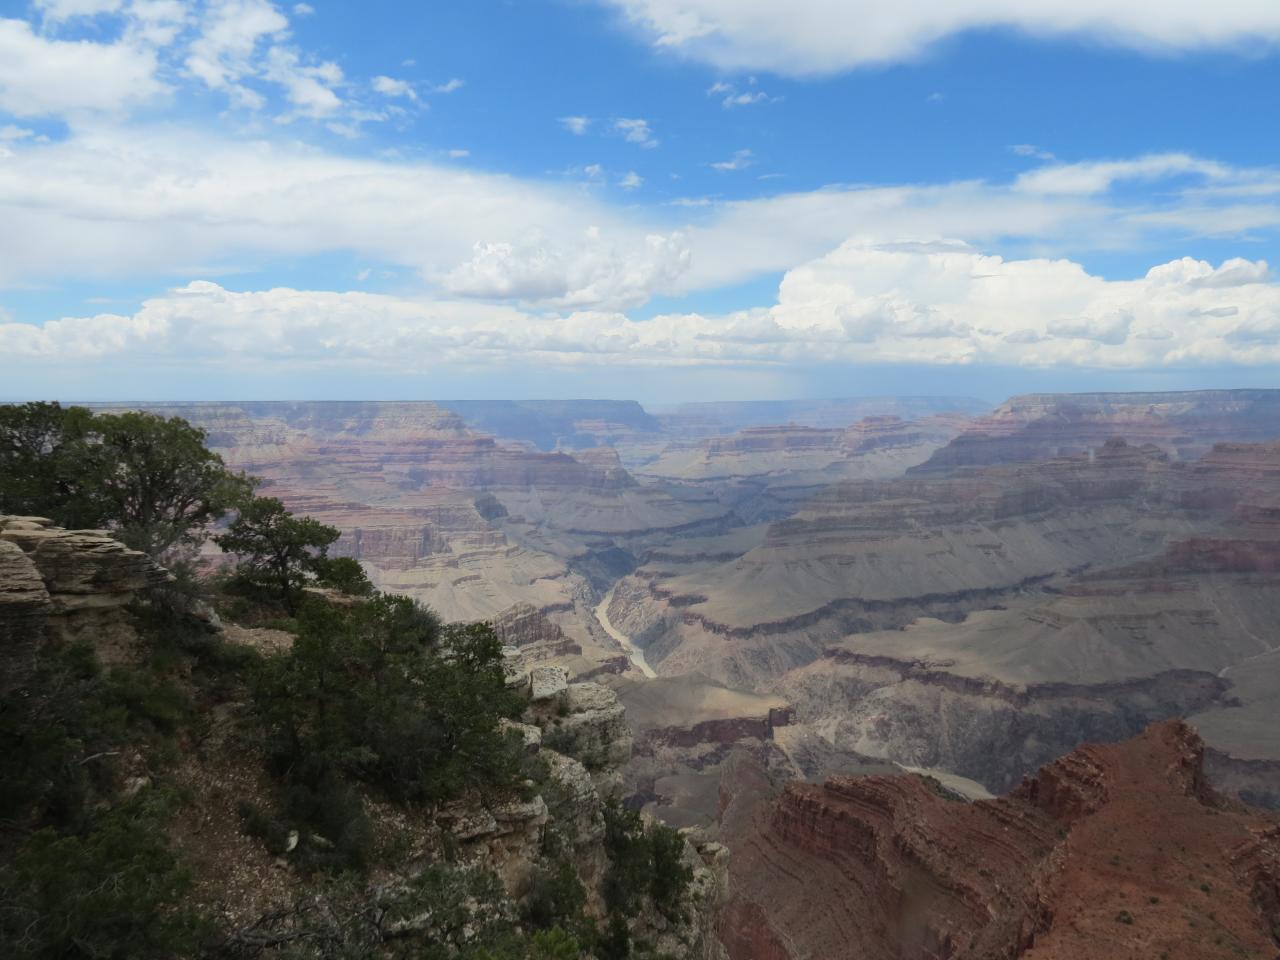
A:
(633, 652)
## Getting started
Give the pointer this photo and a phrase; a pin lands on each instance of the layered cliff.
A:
(1037, 426)
(1111, 852)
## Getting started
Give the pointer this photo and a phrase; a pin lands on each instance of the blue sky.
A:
(661, 199)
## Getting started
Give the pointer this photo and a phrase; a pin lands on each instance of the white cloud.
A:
(11, 132)
(230, 32)
(390, 87)
(303, 9)
(935, 302)
(635, 130)
(155, 201)
(1031, 150)
(1092, 178)
(309, 88)
(57, 10)
(741, 160)
(631, 181)
(576, 125)
(459, 154)
(731, 96)
(596, 271)
(449, 87)
(149, 201)
(807, 37)
(42, 77)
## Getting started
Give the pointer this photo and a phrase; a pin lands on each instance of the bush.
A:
(556, 896)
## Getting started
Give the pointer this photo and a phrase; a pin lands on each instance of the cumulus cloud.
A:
(595, 271)
(576, 125)
(913, 302)
(42, 77)
(449, 86)
(827, 36)
(631, 181)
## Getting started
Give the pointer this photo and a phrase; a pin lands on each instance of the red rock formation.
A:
(1115, 851)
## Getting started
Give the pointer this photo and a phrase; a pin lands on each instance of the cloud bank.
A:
(912, 302)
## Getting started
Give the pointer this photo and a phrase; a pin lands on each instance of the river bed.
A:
(634, 653)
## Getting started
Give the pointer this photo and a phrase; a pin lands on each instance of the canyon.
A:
(802, 603)
(918, 587)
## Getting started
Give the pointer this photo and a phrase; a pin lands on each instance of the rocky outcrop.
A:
(524, 626)
(586, 721)
(1112, 852)
(68, 585)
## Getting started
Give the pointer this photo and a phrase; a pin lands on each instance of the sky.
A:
(665, 200)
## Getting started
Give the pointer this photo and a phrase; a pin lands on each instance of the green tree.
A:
(343, 574)
(153, 480)
(278, 550)
(51, 464)
(670, 876)
(162, 485)
(381, 694)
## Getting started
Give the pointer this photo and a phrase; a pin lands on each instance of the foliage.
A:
(670, 876)
(643, 861)
(277, 549)
(381, 694)
(50, 464)
(109, 891)
(556, 896)
(81, 877)
(163, 485)
(343, 574)
(152, 479)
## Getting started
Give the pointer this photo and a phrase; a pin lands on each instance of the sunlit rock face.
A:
(1111, 852)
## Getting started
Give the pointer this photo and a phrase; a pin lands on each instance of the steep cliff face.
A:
(66, 584)
(1112, 852)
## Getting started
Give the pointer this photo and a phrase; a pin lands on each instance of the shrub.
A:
(381, 694)
(110, 892)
